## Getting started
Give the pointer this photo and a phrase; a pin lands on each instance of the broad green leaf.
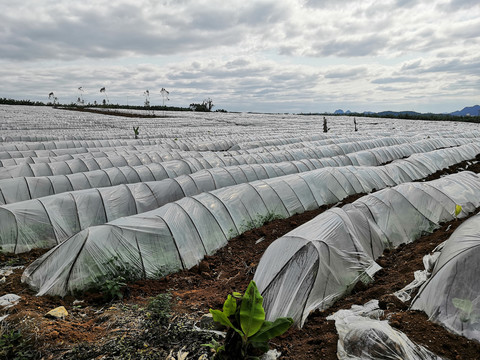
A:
(269, 330)
(221, 318)
(229, 306)
(252, 314)
(262, 346)
(458, 210)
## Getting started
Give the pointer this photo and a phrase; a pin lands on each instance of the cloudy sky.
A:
(257, 55)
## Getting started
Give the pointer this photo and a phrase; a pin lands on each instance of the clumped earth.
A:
(114, 112)
(155, 319)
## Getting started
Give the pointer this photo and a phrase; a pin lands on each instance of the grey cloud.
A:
(470, 66)
(318, 4)
(124, 30)
(366, 46)
(406, 3)
(128, 47)
(237, 63)
(413, 65)
(462, 85)
(453, 5)
(388, 88)
(397, 79)
(349, 73)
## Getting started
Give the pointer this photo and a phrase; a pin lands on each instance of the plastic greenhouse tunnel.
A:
(50, 220)
(178, 235)
(315, 264)
(451, 296)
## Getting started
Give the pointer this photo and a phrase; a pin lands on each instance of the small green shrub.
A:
(159, 310)
(14, 347)
(248, 331)
(111, 284)
(259, 221)
(112, 288)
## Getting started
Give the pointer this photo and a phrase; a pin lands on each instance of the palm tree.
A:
(164, 94)
(147, 98)
(52, 96)
(102, 90)
(80, 98)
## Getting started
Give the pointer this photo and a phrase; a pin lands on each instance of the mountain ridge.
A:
(466, 111)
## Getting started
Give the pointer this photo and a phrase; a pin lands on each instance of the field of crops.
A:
(97, 201)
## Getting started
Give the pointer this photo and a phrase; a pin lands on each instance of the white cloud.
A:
(284, 54)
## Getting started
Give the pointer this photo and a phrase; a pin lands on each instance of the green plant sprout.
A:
(136, 131)
(248, 332)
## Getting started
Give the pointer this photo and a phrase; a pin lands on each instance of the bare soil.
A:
(114, 112)
(131, 328)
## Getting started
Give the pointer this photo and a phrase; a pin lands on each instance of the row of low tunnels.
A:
(164, 224)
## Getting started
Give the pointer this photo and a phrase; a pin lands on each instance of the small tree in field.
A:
(208, 104)
(105, 101)
(52, 96)
(164, 94)
(80, 100)
(147, 98)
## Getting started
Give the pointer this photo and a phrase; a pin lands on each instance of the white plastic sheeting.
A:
(79, 165)
(20, 188)
(88, 164)
(11, 158)
(9, 187)
(198, 225)
(363, 336)
(53, 145)
(318, 262)
(26, 188)
(39, 223)
(451, 296)
(8, 155)
(21, 123)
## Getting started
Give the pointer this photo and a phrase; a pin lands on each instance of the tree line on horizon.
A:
(207, 105)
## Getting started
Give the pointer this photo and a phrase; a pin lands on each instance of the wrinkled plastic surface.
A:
(362, 336)
(451, 296)
(318, 262)
(344, 245)
(109, 203)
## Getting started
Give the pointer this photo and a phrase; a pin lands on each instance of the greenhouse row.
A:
(451, 296)
(127, 157)
(9, 158)
(55, 145)
(318, 262)
(50, 220)
(214, 160)
(25, 188)
(178, 234)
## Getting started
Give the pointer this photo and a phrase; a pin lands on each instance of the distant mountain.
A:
(397, 113)
(468, 111)
(341, 112)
